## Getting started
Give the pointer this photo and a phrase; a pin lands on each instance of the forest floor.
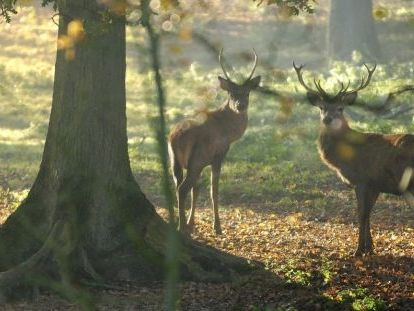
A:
(279, 205)
(307, 259)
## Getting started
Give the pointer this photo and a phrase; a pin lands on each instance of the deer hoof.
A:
(217, 230)
(358, 253)
(189, 229)
(363, 252)
(190, 223)
(183, 229)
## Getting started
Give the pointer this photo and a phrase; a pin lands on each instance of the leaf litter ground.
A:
(306, 263)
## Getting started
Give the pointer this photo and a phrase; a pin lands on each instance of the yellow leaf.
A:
(25, 2)
(380, 13)
(65, 42)
(345, 151)
(294, 218)
(76, 30)
(185, 34)
(70, 54)
(166, 4)
(286, 105)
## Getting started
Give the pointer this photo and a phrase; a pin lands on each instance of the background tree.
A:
(352, 28)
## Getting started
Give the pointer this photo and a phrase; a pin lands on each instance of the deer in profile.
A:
(193, 145)
(371, 163)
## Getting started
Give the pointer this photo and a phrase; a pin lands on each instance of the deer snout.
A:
(327, 120)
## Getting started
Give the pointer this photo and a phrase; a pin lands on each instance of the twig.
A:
(385, 106)
(171, 296)
(53, 18)
(267, 91)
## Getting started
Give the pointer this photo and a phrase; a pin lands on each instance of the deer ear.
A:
(225, 84)
(314, 99)
(349, 99)
(254, 83)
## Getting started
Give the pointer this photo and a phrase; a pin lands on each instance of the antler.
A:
(224, 69)
(222, 66)
(254, 66)
(344, 89)
(301, 81)
(321, 91)
(364, 83)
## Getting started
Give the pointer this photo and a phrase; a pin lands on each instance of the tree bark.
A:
(352, 28)
(85, 177)
(85, 212)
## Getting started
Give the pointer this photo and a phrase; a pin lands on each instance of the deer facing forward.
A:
(194, 145)
(371, 163)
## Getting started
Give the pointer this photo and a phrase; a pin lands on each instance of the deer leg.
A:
(366, 198)
(194, 196)
(409, 197)
(177, 172)
(190, 180)
(215, 176)
(177, 175)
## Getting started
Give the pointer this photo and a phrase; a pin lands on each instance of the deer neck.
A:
(234, 123)
(338, 146)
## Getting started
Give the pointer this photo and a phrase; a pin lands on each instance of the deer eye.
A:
(340, 109)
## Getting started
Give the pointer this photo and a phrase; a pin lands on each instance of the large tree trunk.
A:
(352, 28)
(85, 212)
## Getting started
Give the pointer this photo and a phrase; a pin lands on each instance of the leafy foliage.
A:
(50, 2)
(293, 7)
(359, 300)
(7, 8)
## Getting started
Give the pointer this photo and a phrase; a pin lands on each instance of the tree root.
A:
(23, 273)
(198, 261)
(88, 267)
(64, 264)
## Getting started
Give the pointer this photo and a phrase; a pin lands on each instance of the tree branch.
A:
(385, 107)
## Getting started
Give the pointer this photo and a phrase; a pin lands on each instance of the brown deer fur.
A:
(371, 163)
(195, 144)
